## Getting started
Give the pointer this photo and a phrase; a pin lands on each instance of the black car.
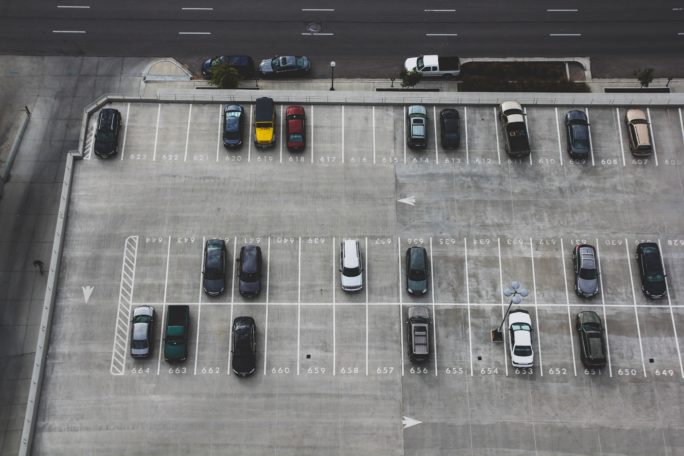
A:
(449, 128)
(416, 270)
(233, 125)
(107, 132)
(285, 65)
(651, 270)
(244, 346)
(418, 333)
(592, 340)
(242, 63)
(586, 270)
(214, 274)
(577, 129)
(249, 271)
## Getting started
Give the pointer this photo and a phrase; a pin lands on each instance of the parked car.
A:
(264, 123)
(286, 65)
(249, 271)
(107, 132)
(244, 346)
(638, 133)
(214, 273)
(586, 270)
(449, 128)
(142, 332)
(295, 128)
(416, 126)
(242, 63)
(416, 270)
(651, 270)
(520, 328)
(517, 141)
(177, 333)
(351, 265)
(592, 339)
(577, 130)
(233, 125)
(418, 333)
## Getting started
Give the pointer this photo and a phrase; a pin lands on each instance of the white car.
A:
(351, 266)
(520, 328)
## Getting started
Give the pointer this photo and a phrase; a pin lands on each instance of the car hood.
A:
(352, 282)
(417, 285)
(214, 286)
(656, 288)
(588, 287)
(265, 66)
(250, 288)
(174, 350)
(410, 63)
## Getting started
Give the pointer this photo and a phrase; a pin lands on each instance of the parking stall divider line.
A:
(403, 123)
(311, 128)
(334, 273)
(591, 143)
(299, 297)
(434, 124)
(567, 299)
(496, 134)
(465, 131)
(669, 303)
(125, 133)
(156, 133)
(342, 133)
(636, 313)
(282, 132)
(434, 314)
(268, 277)
(232, 302)
(373, 114)
(166, 283)
(187, 134)
(681, 123)
(467, 281)
(536, 310)
(653, 141)
(249, 143)
(622, 146)
(401, 306)
(503, 304)
(558, 135)
(199, 299)
(603, 305)
(527, 130)
(367, 286)
(218, 138)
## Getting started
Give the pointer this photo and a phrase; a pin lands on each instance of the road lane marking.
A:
(622, 146)
(669, 303)
(312, 134)
(561, 10)
(567, 299)
(282, 132)
(342, 133)
(653, 142)
(401, 304)
(565, 34)
(199, 299)
(465, 130)
(268, 276)
(73, 6)
(163, 320)
(404, 135)
(194, 33)
(232, 301)
(441, 34)
(334, 273)
(470, 332)
(187, 134)
(527, 131)
(503, 304)
(373, 134)
(249, 145)
(681, 123)
(603, 305)
(636, 314)
(536, 310)
(317, 34)
(128, 110)
(319, 10)
(434, 313)
(80, 32)
(440, 10)
(197, 9)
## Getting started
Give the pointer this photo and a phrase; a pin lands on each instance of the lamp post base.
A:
(497, 336)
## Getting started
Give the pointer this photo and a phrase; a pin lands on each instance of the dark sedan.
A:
(586, 270)
(233, 125)
(416, 270)
(592, 342)
(249, 271)
(244, 346)
(242, 63)
(286, 65)
(651, 270)
(449, 128)
(214, 274)
(577, 129)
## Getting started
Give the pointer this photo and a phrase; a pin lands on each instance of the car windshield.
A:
(522, 350)
(249, 276)
(520, 327)
(655, 278)
(296, 137)
(587, 274)
(216, 61)
(351, 272)
(105, 136)
(242, 343)
(139, 343)
(419, 63)
(592, 326)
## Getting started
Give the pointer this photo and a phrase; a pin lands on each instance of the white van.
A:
(351, 265)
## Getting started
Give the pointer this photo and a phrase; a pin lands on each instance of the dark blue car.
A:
(577, 128)
(249, 271)
(214, 274)
(233, 125)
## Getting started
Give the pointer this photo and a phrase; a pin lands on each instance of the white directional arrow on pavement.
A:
(87, 291)
(408, 422)
(410, 200)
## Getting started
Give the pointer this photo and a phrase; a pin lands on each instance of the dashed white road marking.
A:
(319, 10)
(74, 6)
(249, 144)
(567, 299)
(636, 314)
(373, 113)
(603, 305)
(74, 32)
(434, 124)
(653, 141)
(440, 10)
(403, 123)
(282, 132)
(367, 286)
(465, 131)
(232, 305)
(299, 297)
(496, 134)
(197, 9)
(622, 146)
(669, 303)
(527, 130)
(560, 10)
(334, 273)
(565, 34)
(218, 138)
(123, 143)
(681, 123)
(536, 310)
(441, 34)
(194, 33)
(311, 142)
(199, 298)
(342, 133)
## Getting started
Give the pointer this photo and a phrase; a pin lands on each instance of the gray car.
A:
(416, 126)
(142, 329)
(586, 270)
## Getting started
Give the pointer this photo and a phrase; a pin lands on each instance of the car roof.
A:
(140, 331)
(233, 107)
(515, 118)
(418, 257)
(248, 258)
(449, 113)
(523, 338)
(589, 316)
(351, 259)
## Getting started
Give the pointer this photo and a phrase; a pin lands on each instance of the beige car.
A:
(638, 132)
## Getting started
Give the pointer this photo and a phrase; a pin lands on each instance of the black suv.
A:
(249, 271)
(592, 342)
(107, 132)
(418, 332)
(651, 270)
(214, 274)
(244, 346)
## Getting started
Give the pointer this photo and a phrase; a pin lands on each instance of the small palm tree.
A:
(225, 76)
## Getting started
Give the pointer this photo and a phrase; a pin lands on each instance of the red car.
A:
(295, 128)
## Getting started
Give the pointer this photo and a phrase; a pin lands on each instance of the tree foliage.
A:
(225, 76)
(410, 78)
(645, 76)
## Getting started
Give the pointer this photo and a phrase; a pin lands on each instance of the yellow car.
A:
(264, 123)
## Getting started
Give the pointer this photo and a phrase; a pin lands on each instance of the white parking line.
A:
(653, 141)
(467, 281)
(669, 303)
(218, 138)
(367, 286)
(527, 130)
(373, 113)
(403, 123)
(249, 144)
(282, 123)
(681, 123)
(560, 147)
(311, 142)
(299, 297)
(636, 314)
(163, 319)
(591, 144)
(342, 133)
(536, 310)
(496, 134)
(156, 133)
(199, 299)
(465, 131)
(187, 136)
(401, 304)
(128, 110)
(622, 146)
(434, 314)
(334, 274)
(434, 124)
(268, 277)
(603, 305)
(232, 301)
(503, 304)
(567, 299)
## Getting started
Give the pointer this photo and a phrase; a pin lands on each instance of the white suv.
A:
(520, 327)
(351, 265)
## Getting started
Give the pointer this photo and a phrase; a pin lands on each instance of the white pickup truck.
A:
(434, 66)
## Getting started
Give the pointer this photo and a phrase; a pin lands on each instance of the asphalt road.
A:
(368, 39)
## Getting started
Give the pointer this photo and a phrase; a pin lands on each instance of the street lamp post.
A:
(332, 75)
(516, 293)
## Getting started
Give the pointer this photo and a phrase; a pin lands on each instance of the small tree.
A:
(645, 76)
(410, 78)
(225, 76)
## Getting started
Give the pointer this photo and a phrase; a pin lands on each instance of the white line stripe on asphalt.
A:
(591, 143)
(367, 286)
(434, 314)
(187, 135)
(80, 32)
(194, 33)
(669, 303)
(334, 273)
(199, 299)
(536, 310)
(558, 135)
(622, 146)
(373, 134)
(653, 141)
(496, 134)
(441, 34)
(268, 280)
(559, 10)
(434, 124)
(156, 133)
(567, 298)
(636, 314)
(465, 130)
(299, 296)
(218, 138)
(166, 283)
(467, 280)
(312, 134)
(197, 9)
(603, 305)
(502, 304)
(401, 313)
(74, 6)
(321, 10)
(565, 34)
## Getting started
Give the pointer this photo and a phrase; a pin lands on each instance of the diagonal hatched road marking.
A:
(123, 313)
